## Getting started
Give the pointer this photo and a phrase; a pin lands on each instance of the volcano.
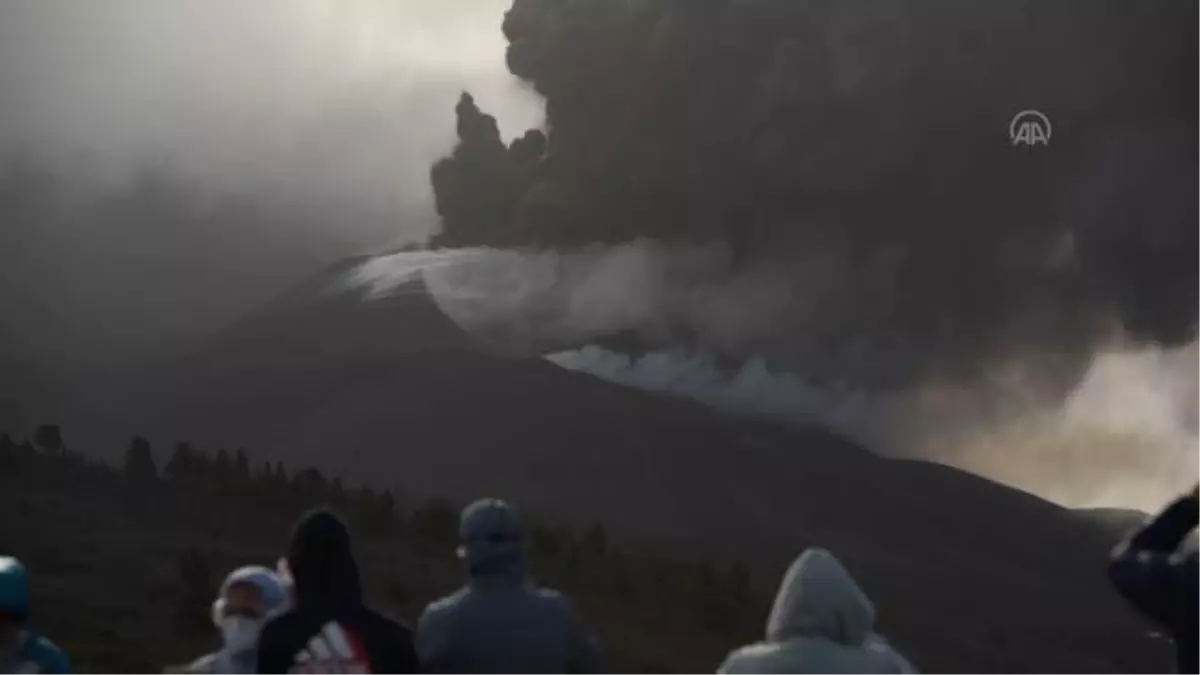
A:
(387, 390)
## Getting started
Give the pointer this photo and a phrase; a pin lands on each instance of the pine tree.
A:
(139, 461)
(201, 465)
(182, 462)
(49, 438)
(310, 482)
(222, 467)
(8, 453)
(337, 492)
(596, 540)
(241, 466)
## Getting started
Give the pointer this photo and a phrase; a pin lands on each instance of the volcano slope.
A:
(968, 575)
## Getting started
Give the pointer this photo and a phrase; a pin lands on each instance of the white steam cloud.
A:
(665, 295)
(1125, 435)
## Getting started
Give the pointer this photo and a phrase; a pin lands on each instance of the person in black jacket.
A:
(328, 629)
(1161, 581)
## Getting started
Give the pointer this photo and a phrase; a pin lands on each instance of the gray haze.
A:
(293, 131)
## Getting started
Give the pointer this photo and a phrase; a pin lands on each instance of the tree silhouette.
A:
(311, 483)
(8, 453)
(182, 463)
(222, 467)
(337, 492)
(139, 462)
(241, 466)
(49, 438)
(596, 540)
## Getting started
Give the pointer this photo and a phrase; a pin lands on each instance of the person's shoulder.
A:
(548, 594)
(552, 600)
(445, 604)
(204, 664)
(886, 658)
(748, 659)
(47, 655)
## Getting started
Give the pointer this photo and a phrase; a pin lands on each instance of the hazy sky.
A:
(349, 99)
(331, 112)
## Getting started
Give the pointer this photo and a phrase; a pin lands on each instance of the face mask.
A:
(239, 633)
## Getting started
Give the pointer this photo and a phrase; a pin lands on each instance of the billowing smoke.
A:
(546, 297)
(1120, 429)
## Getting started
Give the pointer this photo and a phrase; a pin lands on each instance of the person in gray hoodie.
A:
(499, 622)
(821, 622)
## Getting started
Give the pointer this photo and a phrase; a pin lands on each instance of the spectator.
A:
(328, 629)
(1159, 580)
(822, 622)
(21, 650)
(498, 622)
(248, 597)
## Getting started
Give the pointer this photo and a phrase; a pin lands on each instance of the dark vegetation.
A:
(126, 559)
(876, 130)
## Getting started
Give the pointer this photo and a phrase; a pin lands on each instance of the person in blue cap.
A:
(247, 598)
(22, 651)
(499, 622)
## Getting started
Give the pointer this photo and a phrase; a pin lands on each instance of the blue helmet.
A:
(14, 587)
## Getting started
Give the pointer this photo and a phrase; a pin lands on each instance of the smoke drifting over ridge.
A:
(1118, 430)
(923, 284)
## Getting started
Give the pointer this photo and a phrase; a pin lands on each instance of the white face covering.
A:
(239, 633)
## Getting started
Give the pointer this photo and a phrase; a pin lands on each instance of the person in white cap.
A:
(248, 597)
